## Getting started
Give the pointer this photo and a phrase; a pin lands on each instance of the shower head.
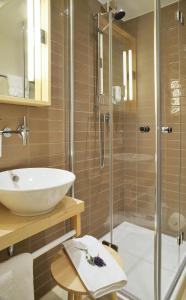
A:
(118, 15)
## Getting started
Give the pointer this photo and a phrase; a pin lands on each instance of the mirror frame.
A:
(43, 84)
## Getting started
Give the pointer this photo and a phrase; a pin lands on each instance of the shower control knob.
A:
(166, 129)
(144, 129)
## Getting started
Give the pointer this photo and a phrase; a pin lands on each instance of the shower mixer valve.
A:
(144, 129)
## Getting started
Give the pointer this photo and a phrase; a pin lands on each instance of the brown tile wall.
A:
(173, 115)
(139, 176)
(47, 144)
(92, 184)
(170, 115)
(119, 43)
(139, 148)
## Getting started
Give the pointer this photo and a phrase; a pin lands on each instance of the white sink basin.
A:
(34, 191)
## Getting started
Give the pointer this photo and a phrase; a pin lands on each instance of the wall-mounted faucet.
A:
(22, 131)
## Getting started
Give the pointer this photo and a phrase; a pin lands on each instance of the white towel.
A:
(16, 278)
(99, 281)
(116, 94)
(16, 86)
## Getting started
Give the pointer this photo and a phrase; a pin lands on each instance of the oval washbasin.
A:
(34, 191)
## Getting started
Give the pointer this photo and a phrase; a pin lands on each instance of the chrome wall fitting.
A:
(166, 129)
(10, 250)
(22, 131)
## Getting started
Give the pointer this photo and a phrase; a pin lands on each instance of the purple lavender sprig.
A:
(98, 261)
(93, 260)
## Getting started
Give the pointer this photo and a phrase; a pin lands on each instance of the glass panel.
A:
(127, 125)
(182, 34)
(134, 146)
(171, 141)
(130, 131)
(91, 108)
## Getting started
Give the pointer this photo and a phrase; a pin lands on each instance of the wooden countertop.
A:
(14, 229)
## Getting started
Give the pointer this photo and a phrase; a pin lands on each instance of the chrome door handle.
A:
(166, 129)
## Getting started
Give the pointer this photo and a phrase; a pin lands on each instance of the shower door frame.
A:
(158, 166)
(158, 158)
(158, 125)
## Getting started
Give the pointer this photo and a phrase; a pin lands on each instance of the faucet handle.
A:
(23, 131)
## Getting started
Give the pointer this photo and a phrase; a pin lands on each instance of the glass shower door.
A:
(133, 152)
(182, 220)
(172, 82)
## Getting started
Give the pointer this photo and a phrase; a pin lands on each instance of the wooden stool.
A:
(66, 275)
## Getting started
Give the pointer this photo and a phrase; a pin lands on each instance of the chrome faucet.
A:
(22, 131)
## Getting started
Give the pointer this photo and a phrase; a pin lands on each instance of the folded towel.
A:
(99, 281)
(16, 86)
(3, 86)
(16, 278)
(116, 94)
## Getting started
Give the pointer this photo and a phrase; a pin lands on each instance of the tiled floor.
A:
(56, 294)
(136, 247)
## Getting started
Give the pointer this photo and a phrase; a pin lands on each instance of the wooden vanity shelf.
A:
(14, 229)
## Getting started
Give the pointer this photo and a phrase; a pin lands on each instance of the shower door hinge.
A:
(180, 17)
(101, 63)
(180, 238)
(43, 36)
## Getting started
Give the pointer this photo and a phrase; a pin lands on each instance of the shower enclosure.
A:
(127, 134)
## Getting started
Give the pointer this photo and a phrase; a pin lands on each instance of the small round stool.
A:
(67, 277)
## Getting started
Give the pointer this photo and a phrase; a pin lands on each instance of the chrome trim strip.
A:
(53, 244)
(157, 85)
(71, 70)
(175, 280)
(127, 294)
(98, 100)
(110, 132)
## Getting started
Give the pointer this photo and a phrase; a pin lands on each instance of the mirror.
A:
(124, 65)
(25, 52)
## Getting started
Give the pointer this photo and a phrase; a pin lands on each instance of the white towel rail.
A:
(49, 246)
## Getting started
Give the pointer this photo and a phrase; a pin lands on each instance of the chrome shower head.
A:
(118, 15)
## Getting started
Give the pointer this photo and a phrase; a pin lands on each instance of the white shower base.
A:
(136, 247)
